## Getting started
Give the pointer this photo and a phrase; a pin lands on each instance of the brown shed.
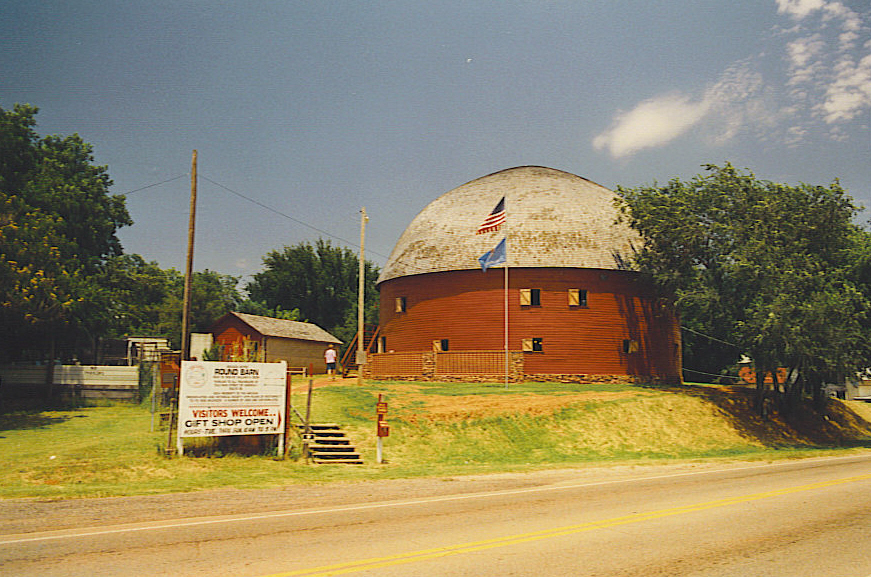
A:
(251, 337)
(575, 306)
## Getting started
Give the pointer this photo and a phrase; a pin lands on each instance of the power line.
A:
(710, 337)
(279, 213)
(296, 220)
(412, 266)
(153, 185)
(711, 374)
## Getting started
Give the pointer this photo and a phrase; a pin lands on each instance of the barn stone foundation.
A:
(400, 367)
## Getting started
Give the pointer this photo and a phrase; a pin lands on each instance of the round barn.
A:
(575, 309)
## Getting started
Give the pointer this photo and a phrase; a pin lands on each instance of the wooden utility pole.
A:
(186, 305)
(189, 271)
(361, 284)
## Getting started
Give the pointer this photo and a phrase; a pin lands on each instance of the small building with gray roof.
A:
(247, 337)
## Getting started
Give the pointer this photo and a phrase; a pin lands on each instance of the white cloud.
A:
(659, 120)
(849, 94)
(828, 82)
(825, 70)
(794, 135)
(798, 8)
(802, 53)
(738, 100)
(651, 123)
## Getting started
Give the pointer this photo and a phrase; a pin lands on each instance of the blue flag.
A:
(493, 257)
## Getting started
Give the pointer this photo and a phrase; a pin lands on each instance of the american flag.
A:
(494, 220)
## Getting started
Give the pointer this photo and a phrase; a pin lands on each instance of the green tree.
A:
(58, 226)
(212, 295)
(135, 292)
(145, 300)
(17, 150)
(259, 308)
(768, 267)
(319, 280)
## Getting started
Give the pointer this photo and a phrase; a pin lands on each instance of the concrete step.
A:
(323, 430)
(331, 448)
(344, 457)
(330, 445)
(332, 441)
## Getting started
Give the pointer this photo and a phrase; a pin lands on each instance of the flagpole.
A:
(507, 360)
(498, 255)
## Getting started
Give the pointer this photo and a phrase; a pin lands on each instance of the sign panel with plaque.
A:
(223, 398)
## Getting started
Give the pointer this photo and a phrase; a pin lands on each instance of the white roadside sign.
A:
(217, 399)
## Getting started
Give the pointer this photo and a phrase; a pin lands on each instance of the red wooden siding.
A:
(467, 308)
(231, 333)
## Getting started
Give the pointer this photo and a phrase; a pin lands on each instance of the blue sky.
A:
(302, 112)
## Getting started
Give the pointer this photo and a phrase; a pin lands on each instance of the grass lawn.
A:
(436, 429)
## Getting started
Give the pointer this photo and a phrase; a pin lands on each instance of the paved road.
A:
(799, 518)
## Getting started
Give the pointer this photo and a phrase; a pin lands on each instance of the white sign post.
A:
(218, 399)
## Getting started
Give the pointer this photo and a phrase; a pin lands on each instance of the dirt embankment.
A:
(840, 423)
(453, 409)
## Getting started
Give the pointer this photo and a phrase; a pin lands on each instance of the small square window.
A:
(577, 298)
(440, 346)
(530, 297)
(533, 345)
(630, 346)
(400, 304)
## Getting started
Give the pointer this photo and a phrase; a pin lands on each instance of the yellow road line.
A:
(426, 554)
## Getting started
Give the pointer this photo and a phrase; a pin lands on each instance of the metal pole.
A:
(507, 360)
(379, 447)
(307, 429)
(361, 287)
(288, 406)
(173, 401)
(155, 382)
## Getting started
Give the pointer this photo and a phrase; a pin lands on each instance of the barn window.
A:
(530, 297)
(382, 344)
(440, 345)
(533, 345)
(630, 346)
(400, 304)
(577, 298)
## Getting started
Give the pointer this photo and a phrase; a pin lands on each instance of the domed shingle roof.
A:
(554, 219)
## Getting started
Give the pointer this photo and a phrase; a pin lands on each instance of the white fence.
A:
(90, 382)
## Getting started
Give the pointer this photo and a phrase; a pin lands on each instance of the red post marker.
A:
(383, 430)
